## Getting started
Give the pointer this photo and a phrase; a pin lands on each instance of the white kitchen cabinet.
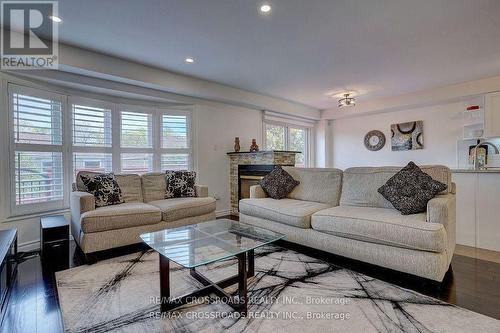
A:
(488, 211)
(466, 216)
(478, 209)
(492, 115)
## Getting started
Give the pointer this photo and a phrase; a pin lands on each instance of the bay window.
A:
(54, 136)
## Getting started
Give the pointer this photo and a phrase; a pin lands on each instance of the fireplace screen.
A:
(249, 175)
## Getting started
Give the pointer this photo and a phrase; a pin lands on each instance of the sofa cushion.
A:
(360, 185)
(131, 187)
(180, 184)
(296, 213)
(316, 184)
(178, 208)
(153, 186)
(278, 183)
(120, 216)
(410, 189)
(381, 226)
(104, 187)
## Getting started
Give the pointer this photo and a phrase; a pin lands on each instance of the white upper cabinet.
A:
(492, 115)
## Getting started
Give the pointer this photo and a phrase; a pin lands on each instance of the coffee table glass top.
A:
(203, 243)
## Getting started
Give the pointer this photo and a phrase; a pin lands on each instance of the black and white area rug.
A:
(290, 292)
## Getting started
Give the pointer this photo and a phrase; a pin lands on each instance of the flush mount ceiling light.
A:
(56, 19)
(189, 60)
(265, 9)
(347, 101)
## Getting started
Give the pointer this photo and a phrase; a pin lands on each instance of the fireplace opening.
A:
(249, 175)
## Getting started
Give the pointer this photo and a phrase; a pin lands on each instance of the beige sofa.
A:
(342, 213)
(144, 210)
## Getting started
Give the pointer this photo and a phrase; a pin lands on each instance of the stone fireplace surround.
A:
(240, 163)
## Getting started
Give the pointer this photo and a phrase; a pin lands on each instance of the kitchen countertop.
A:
(497, 170)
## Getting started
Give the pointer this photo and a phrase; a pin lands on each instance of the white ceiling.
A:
(305, 49)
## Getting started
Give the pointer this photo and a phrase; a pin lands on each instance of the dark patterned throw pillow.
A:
(180, 184)
(410, 190)
(104, 188)
(278, 183)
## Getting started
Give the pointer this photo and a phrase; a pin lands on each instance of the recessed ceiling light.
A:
(189, 60)
(265, 9)
(56, 19)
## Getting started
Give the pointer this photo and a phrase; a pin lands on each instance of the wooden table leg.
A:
(242, 282)
(164, 282)
(251, 263)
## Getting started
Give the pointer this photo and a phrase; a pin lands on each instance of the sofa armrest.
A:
(256, 192)
(80, 202)
(442, 209)
(201, 191)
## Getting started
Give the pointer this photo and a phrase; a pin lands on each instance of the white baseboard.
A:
(29, 246)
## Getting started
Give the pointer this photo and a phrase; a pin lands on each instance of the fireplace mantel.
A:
(264, 157)
(264, 152)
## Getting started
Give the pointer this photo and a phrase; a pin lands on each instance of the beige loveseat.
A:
(144, 210)
(342, 213)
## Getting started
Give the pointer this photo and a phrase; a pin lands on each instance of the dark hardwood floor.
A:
(472, 283)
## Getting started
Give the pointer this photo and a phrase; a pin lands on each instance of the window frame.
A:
(287, 127)
(24, 209)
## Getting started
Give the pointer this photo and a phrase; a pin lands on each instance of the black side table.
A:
(8, 266)
(54, 233)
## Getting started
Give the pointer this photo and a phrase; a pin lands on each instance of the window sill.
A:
(17, 218)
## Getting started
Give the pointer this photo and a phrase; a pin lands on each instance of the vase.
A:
(237, 144)
(254, 147)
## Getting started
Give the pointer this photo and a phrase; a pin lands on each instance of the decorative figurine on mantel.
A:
(254, 147)
(237, 144)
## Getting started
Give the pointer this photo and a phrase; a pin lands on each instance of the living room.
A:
(333, 165)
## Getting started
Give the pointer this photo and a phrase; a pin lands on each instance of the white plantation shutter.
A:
(136, 163)
(96, 162)
(36, 120)
(174, 131)
(37, 160)
(136, 130)
(175, 140)
(174, 161)
(137, 151)
(91, 126)
(38, 177)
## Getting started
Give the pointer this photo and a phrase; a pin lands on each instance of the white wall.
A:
(442, 127)
(218, 125)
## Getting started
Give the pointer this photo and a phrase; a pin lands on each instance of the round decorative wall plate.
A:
(374, 140)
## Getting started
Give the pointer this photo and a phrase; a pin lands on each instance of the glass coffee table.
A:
(200, 244)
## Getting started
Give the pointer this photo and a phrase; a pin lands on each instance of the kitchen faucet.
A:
(476, 166)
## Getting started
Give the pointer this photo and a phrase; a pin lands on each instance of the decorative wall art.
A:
(407, 136)
(374, 140)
